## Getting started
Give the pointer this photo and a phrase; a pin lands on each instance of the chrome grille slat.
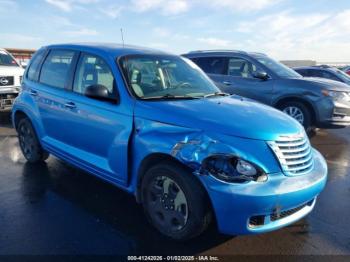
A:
(300, 167)
(300, 161)
(295, 150)
(294, 154)
(291, 144)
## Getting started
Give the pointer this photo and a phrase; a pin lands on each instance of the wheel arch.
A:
(306, 103)
(17, 117)
(149, 161)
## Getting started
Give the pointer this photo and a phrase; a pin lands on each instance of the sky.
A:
(284, 29)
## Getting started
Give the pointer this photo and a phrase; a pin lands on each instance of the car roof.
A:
(321, 67)
(108, 48)
(221, 53)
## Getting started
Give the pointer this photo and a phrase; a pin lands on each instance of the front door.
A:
(99, 131)
(240, 80)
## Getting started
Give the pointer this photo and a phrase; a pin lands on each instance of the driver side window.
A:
(92, 70)
(239, 67)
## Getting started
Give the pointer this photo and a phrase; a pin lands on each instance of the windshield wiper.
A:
(169, 96)
(217, 94)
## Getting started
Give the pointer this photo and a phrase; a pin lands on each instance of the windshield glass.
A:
(6, 59)
(342, 75)
(278, 68)
(165, 77)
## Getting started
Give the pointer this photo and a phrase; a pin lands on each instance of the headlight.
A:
(232, 169)
(338, 95)
(245, 168)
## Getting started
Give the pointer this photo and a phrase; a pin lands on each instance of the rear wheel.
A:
(299, 112)
(29, 142)
(174, 201)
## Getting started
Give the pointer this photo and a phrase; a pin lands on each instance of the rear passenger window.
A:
(211, 65)
(33, 71)
(56, 67)
(92, 70)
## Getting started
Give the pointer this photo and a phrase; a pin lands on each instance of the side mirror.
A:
(261, 75)
(99, 92)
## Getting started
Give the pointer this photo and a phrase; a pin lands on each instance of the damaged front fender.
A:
(192, 146)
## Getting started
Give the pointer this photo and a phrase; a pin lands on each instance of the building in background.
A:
(301, 63)
(22, 55)
(297, 63)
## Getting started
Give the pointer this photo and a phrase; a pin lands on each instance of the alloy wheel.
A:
(295, 112)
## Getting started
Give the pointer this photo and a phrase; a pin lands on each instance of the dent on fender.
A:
(190, 146)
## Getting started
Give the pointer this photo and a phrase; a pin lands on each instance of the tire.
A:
(29, 143)
(295, 109)
(183, 210)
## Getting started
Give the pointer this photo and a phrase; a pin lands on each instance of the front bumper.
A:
(254, 207)
(7, 97)
(334, 114)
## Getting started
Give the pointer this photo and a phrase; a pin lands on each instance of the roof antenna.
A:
(122, 35)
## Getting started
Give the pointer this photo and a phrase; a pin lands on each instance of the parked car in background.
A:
(324, 71)
(156, 126)
(10, 80)
(312, 102)
(346, 70)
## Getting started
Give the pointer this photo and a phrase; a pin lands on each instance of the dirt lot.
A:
(56, 209)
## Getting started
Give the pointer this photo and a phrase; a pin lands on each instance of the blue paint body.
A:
(112, 141)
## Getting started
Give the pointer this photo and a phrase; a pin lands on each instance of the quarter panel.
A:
(28, 105)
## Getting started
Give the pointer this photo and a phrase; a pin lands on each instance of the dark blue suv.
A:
(324, 71)
(154, 125)
(312, 102)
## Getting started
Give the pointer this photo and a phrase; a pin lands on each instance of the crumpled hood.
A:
(326, 83)
(233, 116)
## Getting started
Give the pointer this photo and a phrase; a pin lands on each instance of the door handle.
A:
(70, 105)
(227, 83)
(33, 93)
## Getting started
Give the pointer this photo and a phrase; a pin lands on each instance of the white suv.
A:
(10, 80)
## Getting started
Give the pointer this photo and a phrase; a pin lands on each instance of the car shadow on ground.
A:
(108, 205)
(5, 119)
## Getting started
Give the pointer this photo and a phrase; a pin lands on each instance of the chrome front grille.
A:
(294, 154)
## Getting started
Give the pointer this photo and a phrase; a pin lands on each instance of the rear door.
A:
(51, 92)
(97, 131)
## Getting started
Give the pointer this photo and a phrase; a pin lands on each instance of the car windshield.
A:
(342, 75)
(278, 68)
(6, 59)
(166, 77)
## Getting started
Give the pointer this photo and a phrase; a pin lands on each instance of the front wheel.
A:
(29, 143)
(174, 201)
(299, 112)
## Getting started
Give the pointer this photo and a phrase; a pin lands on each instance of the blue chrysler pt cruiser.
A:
(154, 125)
